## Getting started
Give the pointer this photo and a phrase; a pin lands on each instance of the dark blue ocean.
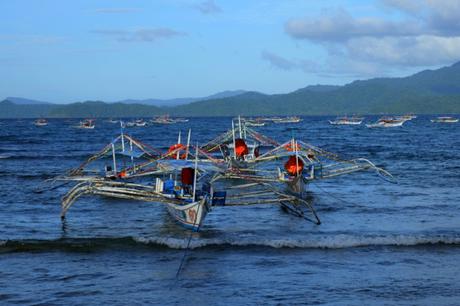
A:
(378, 244)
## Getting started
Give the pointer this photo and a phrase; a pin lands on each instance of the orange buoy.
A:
(294, 166)
(241, 149)
(122, 174)
(177, 148)
(289, 147)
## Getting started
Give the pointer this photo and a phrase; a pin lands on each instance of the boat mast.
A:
(239, 126)
(131, 153)
(234, 144)
(178, 150)
(122, 137)
(187, 149)
(114, 160)
(195, 172)
(296, 160)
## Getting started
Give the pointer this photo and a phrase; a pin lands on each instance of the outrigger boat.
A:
(254, 123)
(387, 122)
(168, 120)
(293, 119)
(41, 122)
(191, 181)
(406, 117)
(444, 119)
(111, 120)
(347, 121)
(136, 123)
(87, 124)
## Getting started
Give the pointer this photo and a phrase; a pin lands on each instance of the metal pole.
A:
(188, 143)
(131, 153)
(178, 150)
(239, 125)
(234, 145)
(122, 137)
(114, 160)
(195, 172)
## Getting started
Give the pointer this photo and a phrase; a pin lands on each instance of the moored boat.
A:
(292, 119)
(111, 120)
(168, 120)
(406, 117)
(140, 123)
(86, 124)
(347, 121)
(387, 122)
(247, 171)
(444, 119)
(41, 122)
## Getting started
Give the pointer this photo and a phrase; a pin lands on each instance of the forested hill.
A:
(426, 92)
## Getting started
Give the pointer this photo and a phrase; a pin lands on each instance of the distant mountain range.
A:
(24, 101)
(181, 101)
(427, 92)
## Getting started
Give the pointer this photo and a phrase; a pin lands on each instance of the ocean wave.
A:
(340, 241)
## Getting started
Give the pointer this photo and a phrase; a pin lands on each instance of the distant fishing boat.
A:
(136, 123)
(111, 120)
(180, 120)
(254, 123)
(167, 120)
(347, 121)
(140, 123)
(387, 122)
(41, 122)
(251, 122)
(406, 117)
(293, 119)
(87, 124)
(444, 119)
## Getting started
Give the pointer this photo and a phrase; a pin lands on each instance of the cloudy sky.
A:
(66, 51)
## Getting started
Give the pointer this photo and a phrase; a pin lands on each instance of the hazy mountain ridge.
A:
(24, 101)
(181, 101)
(429, 91)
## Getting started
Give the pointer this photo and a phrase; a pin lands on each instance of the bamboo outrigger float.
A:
(230, 170)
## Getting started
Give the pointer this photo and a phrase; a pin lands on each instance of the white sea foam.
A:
(322, 242)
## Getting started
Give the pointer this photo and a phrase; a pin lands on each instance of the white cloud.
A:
(423, 50)
(425, 33)
(341, 26)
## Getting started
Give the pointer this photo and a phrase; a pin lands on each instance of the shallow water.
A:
(378, 243)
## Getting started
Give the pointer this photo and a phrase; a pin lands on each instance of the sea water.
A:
(379, 243)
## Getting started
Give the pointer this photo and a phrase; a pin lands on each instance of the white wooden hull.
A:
(345, 122)
(190, 215)
(444, 120)
(385, 124)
